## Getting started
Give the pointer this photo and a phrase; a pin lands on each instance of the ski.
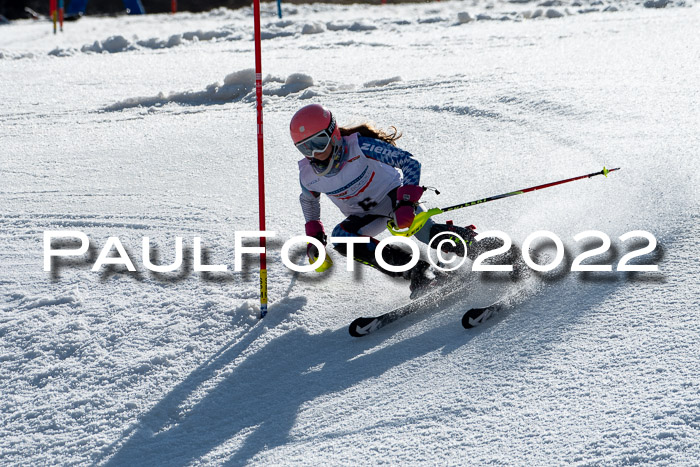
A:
(363, 326)
(477, 316)
(432, 299)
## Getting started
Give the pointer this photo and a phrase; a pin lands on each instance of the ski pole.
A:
(422, 217)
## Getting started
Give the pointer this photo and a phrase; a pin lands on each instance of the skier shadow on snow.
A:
(255, 407)
(260, 401)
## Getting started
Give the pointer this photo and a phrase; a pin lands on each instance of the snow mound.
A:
(313, 28)
(112, 44)
(532, 14)
(431, 20)
(119, 43)
(266, 35)
(237, 86)
(247, 313)
(16, 56)
(337, 26)
(155, 43)
(294, 83)
(656, 3)
(361, 26)
(59, 52)
(282, 23)
(464, 17)
(553, 13)
(241, 78)
(205, 35)
(382, 82)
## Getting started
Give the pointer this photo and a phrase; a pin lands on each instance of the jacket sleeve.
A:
(310, 204)
(393, 156)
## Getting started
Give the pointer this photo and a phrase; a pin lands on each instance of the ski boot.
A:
(421, 276)
(460, 242)
(473, 249)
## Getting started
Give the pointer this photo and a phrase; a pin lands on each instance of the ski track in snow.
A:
(144, 127)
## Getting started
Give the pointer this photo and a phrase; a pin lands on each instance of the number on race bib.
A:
(367, 204)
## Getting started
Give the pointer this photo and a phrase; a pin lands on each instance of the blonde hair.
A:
(368, 130)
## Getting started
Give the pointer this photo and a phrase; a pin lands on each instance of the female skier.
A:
(371, 181)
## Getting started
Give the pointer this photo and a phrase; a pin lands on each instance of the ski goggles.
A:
(317, 143)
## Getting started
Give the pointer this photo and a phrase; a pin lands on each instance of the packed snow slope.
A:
(145, 127)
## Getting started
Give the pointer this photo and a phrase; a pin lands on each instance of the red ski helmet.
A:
(313, 128)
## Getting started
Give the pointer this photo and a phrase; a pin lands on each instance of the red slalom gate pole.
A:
(261, 158)
(173, 6)
(52, 12)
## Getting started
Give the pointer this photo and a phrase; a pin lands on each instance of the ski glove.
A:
(407, 197)
(314, 229)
